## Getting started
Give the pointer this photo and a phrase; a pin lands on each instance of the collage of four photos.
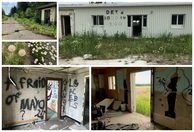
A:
(96, 65)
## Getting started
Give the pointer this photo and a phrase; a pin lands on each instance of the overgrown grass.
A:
(143, 102)
(4, 18)
(9, 58)
(30, 24)
(119, 46)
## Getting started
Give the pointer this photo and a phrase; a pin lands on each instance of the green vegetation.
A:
(13, 58)
(43, 53)
(143, 104)
(119, 46)
(143, 100)
(27, 15)
(4, 17)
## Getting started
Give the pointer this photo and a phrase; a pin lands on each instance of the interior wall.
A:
(52, 94)
(164, 106)
(121, 74)
(26, 102)
(75, 90)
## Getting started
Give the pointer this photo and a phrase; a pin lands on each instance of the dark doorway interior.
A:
(47, 16)
(86, 112)
(67, 25)
(137, 22)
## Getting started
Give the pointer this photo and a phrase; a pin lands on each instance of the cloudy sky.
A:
(143, 77)
(7, 6)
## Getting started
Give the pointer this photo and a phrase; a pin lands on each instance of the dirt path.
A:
(10, 26)
(81, 61)
(130, 60)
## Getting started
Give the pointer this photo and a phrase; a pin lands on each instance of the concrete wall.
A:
(74, 94)
(158, 19)
(53, 14)
(27, 102)
(183, 98)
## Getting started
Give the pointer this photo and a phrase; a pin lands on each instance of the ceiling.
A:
(49, 70)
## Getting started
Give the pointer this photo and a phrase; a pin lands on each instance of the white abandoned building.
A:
(45, 94)
(48, 13)
(149, 19)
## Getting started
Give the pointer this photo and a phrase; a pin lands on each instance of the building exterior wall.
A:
(183, 98)
(158, 20)
(53, 15)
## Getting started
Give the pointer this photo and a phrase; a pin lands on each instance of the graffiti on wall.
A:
(64, 93)
(26, 103)
(49, 91)
(10, 98)
(114, 15)
(73, 98)
(169, 89)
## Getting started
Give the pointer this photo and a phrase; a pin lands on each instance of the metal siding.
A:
(158, 22)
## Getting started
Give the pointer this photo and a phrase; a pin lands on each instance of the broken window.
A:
(98, 20)
(145, 21)
(177, 19)
(111, 83)
(129, 21)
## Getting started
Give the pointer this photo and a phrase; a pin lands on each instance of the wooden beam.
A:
(20, 122)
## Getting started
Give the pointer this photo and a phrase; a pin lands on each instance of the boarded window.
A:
(98, 20)
(111, 83)
(145, 21)
(177, 19)
(129, 21)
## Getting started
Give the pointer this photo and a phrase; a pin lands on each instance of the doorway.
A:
(66, 25)
(53, 97)
(137, 28)
(47, 16)
(141, 92)
(86, 108)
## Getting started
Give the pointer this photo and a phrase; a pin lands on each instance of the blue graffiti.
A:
(186, 87)
(162, 87)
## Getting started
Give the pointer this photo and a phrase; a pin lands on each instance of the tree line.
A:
(27, 10)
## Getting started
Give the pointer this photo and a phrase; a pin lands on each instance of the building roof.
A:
(127, 4)
(47, 5)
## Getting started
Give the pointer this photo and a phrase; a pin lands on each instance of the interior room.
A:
(141, 98)
(45, 98)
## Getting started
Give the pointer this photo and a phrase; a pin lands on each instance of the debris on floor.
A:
(119, 126)
(113, 114)
(54, 126)
(77, 126)
(98, 125)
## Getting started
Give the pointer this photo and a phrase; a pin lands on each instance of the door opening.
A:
(47, 16)
(86, 108)
(137, 28)
(53, 103)
(66, 25)
(141, 92)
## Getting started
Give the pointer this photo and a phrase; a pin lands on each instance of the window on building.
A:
(111, 83)
(129, 21)
(145, 21)
(98, 20)
(177, 19)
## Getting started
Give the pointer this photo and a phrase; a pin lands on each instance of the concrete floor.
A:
(51, 114)
(51, 124)
(129, 118)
